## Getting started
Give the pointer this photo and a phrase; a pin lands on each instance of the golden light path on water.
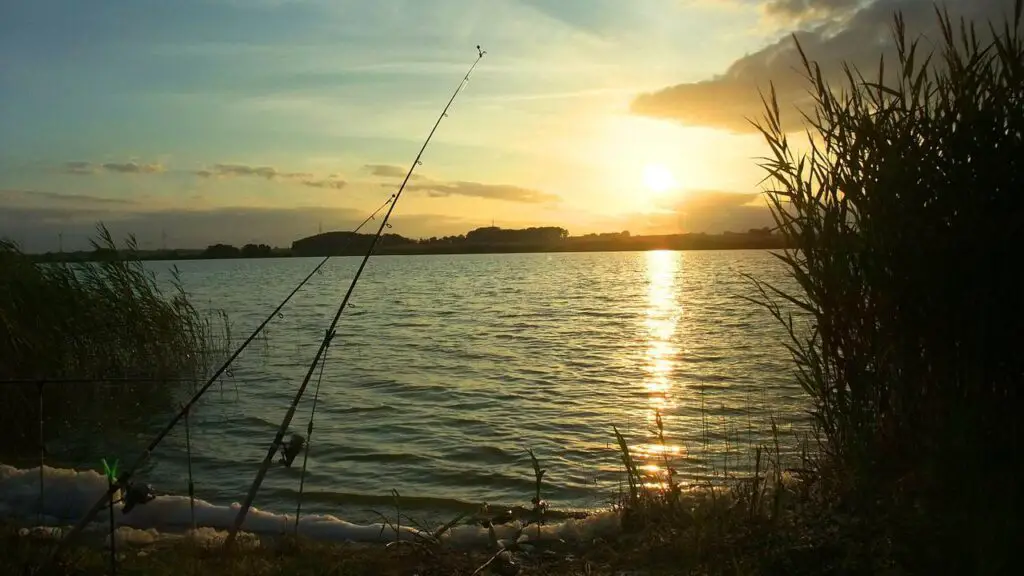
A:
(661, 319)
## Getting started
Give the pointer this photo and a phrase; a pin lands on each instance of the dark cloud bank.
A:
(35, 219)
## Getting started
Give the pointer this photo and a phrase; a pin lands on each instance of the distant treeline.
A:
(541, 239)
(247, 251)
(212, 252)
(491, 239)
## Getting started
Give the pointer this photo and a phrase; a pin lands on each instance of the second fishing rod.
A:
(329, 333)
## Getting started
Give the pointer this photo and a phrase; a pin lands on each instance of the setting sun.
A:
(658, 178)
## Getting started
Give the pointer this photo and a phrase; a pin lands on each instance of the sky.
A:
(191, 122)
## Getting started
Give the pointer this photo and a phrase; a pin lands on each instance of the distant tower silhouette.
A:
(320, 227)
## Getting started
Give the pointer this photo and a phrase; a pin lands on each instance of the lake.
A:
(446, 368)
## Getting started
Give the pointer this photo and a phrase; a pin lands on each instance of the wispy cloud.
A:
(219, 171)
(389, 171)
(442, 189)
(561, 95)
(10, 198)
(132, 168)
(490, 191)
(79, 167)
(83, 168)
(695, 211)
(232, 170)
(332, 181)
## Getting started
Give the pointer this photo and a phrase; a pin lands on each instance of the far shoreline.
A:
(357, 246)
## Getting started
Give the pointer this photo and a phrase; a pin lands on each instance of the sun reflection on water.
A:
(660, 321)
(661, 318)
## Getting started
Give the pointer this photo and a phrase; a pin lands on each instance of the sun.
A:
(658, 178)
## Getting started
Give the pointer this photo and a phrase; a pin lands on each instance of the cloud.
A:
(132, 168)
(229, 170)
(714, 211)
(82, 168)
(717, 211)
(36, 219)
(801, 10)
(79, 167)
(332, 181)
(385, 170)
(295, 175)
(9, 198)
(831, 32)
(436, 189)
(389, 171)
(490, 191)
(443, 189)
(694, 211)
(329, 182)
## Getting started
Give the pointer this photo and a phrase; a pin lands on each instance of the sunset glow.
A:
(264, 122)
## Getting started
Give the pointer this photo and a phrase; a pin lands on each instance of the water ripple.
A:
(447, 368)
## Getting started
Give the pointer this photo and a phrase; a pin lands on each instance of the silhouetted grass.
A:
(905, 221)
(102, 320)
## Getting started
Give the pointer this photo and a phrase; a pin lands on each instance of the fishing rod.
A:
(330, 332)
(123, 479)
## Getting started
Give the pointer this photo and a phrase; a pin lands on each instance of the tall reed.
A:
(104, 320)
(904, 219)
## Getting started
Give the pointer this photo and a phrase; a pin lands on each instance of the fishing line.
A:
(123, 479)
(309, 440)
(42, 456)
(191, 485)
(330, 332)
(113, 538)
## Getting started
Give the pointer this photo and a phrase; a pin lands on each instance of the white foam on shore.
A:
(68, 495)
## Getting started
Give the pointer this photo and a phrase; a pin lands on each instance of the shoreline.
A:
(69, 492)
(413, 250)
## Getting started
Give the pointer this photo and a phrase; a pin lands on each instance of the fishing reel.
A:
(135, 494)
(291, 449)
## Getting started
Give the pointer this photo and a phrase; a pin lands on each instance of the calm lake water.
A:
(446, 368)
